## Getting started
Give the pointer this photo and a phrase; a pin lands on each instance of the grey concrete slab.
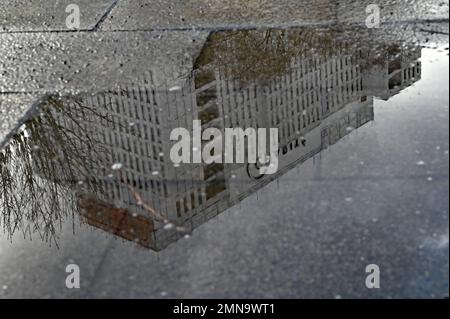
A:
(43, 15)
(81, 62)
(173, 14)
(144, 15)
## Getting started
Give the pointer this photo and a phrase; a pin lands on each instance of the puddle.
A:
(356, 111)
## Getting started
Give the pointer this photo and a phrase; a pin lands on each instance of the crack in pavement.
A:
(105, 15)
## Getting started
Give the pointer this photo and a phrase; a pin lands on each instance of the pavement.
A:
(308, 235)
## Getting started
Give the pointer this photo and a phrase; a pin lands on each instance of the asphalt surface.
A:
(379, 196)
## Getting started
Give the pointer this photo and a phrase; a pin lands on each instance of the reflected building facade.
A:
(314, 102)
(400, 69)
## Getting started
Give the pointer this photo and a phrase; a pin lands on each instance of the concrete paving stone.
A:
(71, 63)
(217, 14)
(44, 15)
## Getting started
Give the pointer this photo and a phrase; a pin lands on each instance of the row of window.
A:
(189, 203)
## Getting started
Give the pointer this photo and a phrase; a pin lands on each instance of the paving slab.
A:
(44, 15)
(214, 14)
(85, 61)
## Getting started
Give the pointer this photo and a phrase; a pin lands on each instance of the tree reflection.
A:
(260, 56)
(43, 163)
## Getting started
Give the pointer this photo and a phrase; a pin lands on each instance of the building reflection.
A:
(313, 89)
